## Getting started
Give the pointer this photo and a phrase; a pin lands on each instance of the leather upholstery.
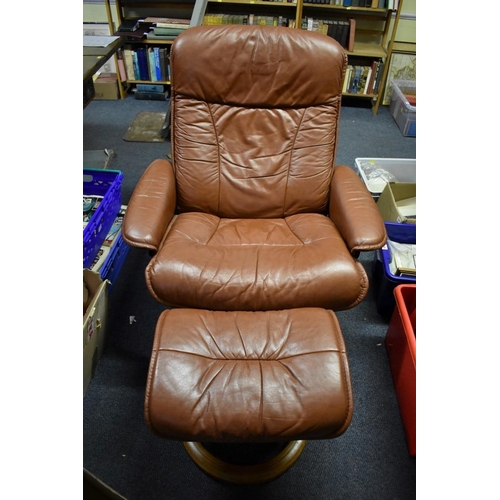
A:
(248, 376)
(252, 214)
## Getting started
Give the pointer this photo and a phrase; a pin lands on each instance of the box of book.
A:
(403, 106)
(101, 204)
(95, 310)
(401, 346)
(391, 270)
(377, 172)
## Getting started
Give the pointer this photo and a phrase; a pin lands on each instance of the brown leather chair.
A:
(252, 214)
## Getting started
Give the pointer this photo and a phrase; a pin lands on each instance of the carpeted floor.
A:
(370, 461)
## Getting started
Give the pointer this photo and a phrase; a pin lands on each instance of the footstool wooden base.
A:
(229, 472)
(220, 380)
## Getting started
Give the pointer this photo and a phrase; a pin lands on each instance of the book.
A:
(129, 25)
(152, 65)
(163, 65)
(121, 65)
(380, 72)
(178, 25)
(403, 258)
(167, 20)
(143, 63)
(363, 79)
(368, 80)
(167, 31)
(151, 36)
(115, 228)
(149, 87)
(347, 78)
(344, 33)
(156, 52)
(352, 34)
(135, 59)
(129, 63)
(151, 96)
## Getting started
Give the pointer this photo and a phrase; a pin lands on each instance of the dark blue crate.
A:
(105, 183)
(385, 282)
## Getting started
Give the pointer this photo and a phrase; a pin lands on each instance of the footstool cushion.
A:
(264, 376)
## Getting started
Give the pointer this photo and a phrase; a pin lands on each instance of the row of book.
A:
(363, 80)
(344, 31)
(367, 4)
(251, 19)
(144, 63)
(90, 205)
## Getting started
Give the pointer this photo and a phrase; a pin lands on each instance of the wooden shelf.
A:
(374, 40)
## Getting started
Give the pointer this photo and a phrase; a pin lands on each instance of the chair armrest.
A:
(151, 206)
(354, 212)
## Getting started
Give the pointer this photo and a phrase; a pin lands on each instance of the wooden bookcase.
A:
(375, 28)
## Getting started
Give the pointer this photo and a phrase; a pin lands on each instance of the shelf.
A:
(256, 2)
(347, 10)
(149, 82)
(368, 50)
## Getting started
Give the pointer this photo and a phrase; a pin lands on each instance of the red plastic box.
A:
(401, 345)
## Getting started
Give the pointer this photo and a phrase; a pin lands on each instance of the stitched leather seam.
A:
(209, 106)
(277, 360)
(343, 357)
(292, 149)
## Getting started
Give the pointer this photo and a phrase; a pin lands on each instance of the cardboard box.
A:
(106, 87)
(95, 305)
(398, 201)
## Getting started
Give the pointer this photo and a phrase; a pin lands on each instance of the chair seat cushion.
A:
(260, 376)
(207, 262)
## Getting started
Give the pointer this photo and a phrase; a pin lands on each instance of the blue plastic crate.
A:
(106, 183)
(114, 262)
(385, 281)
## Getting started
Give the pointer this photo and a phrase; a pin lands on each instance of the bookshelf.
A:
(374, 32)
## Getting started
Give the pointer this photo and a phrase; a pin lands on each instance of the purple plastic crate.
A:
(106, 183)
(112, 265)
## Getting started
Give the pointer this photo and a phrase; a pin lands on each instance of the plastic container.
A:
(376, 172)
(106, 183)
(401, 346)
(402, 111)
(385, 282)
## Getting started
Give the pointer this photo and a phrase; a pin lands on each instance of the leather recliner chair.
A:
(254, 235)
(252, 214)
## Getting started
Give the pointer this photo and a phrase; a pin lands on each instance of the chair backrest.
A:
(255, 111)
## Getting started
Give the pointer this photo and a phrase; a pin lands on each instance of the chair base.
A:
(243, 468)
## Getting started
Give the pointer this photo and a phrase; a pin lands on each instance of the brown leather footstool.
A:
(270, 380)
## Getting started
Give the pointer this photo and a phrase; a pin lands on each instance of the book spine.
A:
(156, 52)
(163, 67)
(135, 59)
(151, 65)
(121, 65)
(143, 63)
(152, 96)
(129, 63)
(352, 35)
